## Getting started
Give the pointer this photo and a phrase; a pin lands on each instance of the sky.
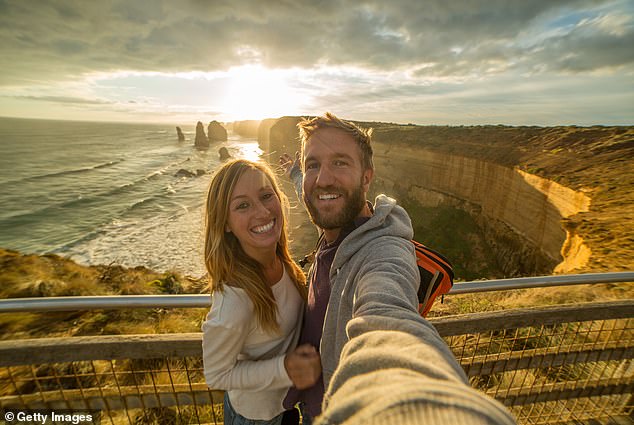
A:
(428, 62)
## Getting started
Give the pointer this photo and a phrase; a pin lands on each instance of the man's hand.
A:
(303, 366)
(287, 162)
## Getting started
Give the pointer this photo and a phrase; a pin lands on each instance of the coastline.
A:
(455, 167)
(50, 275)
(596, 168)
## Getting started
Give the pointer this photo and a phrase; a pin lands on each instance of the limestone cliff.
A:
(247, 128)
(539, 200)
(283, 136)
(508, 204)
(264, 130)
(216, 132)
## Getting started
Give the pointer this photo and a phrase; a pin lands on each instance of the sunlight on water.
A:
(121, 199)
(251, 151)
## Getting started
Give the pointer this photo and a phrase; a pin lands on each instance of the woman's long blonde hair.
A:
(226, 261)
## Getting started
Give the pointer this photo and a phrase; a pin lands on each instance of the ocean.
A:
(102, 193)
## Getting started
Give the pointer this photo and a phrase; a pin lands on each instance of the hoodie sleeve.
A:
(395, 368)
(224, 334)
(386, 295)
(388, 279)
(402, 377)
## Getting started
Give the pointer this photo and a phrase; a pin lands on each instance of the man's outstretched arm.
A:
(403, 377)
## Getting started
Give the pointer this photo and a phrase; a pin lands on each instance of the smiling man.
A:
(337, 175)
(365, 257)
(382, 362)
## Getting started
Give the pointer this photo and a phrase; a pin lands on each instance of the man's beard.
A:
(354, 203)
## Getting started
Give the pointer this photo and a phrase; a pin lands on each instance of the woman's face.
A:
(255, 213)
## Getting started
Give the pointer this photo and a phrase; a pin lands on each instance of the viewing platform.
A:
(553, 364)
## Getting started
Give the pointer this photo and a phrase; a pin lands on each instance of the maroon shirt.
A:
(313, 325)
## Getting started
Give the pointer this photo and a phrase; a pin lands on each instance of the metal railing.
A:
(566, 363)
(198, 301)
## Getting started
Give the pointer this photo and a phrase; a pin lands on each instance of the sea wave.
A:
(112, 196)
(62, 173)
(129, 196)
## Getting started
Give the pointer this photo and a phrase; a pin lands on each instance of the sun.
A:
(255, 92)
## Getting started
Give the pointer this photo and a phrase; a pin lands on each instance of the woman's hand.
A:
(303, 366)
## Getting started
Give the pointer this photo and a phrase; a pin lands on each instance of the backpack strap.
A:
(432, 282)
(310, 257)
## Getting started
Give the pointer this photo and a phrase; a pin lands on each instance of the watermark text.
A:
(49, 417)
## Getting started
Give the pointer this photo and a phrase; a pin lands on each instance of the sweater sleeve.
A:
(224, 334)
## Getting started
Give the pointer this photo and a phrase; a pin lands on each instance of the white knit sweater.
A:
(243, 359)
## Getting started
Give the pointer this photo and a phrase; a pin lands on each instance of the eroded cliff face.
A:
(280, 136)
(507, 201)
(520, 214)
(247, 128)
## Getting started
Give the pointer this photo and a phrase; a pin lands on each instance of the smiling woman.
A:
(254, 92)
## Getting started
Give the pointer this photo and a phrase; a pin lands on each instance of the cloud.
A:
(64, 100)
(601, 43)
(365, 60)
(60, 38)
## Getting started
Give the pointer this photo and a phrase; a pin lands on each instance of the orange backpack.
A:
(436, 276)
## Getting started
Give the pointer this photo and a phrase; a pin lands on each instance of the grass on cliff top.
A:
(24, 276)
(52, 275)
(596, 160)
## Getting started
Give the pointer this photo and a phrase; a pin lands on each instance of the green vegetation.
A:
(26, 276)
(456, 235)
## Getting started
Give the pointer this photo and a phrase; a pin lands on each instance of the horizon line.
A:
(175, 123)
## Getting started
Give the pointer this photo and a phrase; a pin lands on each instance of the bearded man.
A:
(364, 280)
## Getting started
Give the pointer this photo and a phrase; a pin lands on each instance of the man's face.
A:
(335, 182)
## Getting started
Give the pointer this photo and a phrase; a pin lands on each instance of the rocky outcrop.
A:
(179, 133)
(247, 128)
(284, 136)
(186, 173)
(201, 141)
(223, 154)
(517, 199)
(216, 132)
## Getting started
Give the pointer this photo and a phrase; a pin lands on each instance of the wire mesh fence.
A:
(548, 365)
(130, 391)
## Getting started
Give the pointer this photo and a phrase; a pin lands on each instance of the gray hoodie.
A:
(395, 368)
(374, 271)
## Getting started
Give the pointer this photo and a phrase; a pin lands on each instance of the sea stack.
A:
(216, 132)
(181, 136)
(283, 136)
(201, 141)
(223, 153)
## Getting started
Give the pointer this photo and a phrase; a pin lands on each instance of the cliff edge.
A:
(527, 200)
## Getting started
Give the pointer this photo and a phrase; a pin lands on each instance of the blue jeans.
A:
(234, 418)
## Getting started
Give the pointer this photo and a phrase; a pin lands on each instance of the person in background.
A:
(258, 293)
(364, 278)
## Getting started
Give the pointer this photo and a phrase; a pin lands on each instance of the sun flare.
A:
(254, 92)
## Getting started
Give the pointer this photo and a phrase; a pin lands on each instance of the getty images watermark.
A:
(48, 417)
